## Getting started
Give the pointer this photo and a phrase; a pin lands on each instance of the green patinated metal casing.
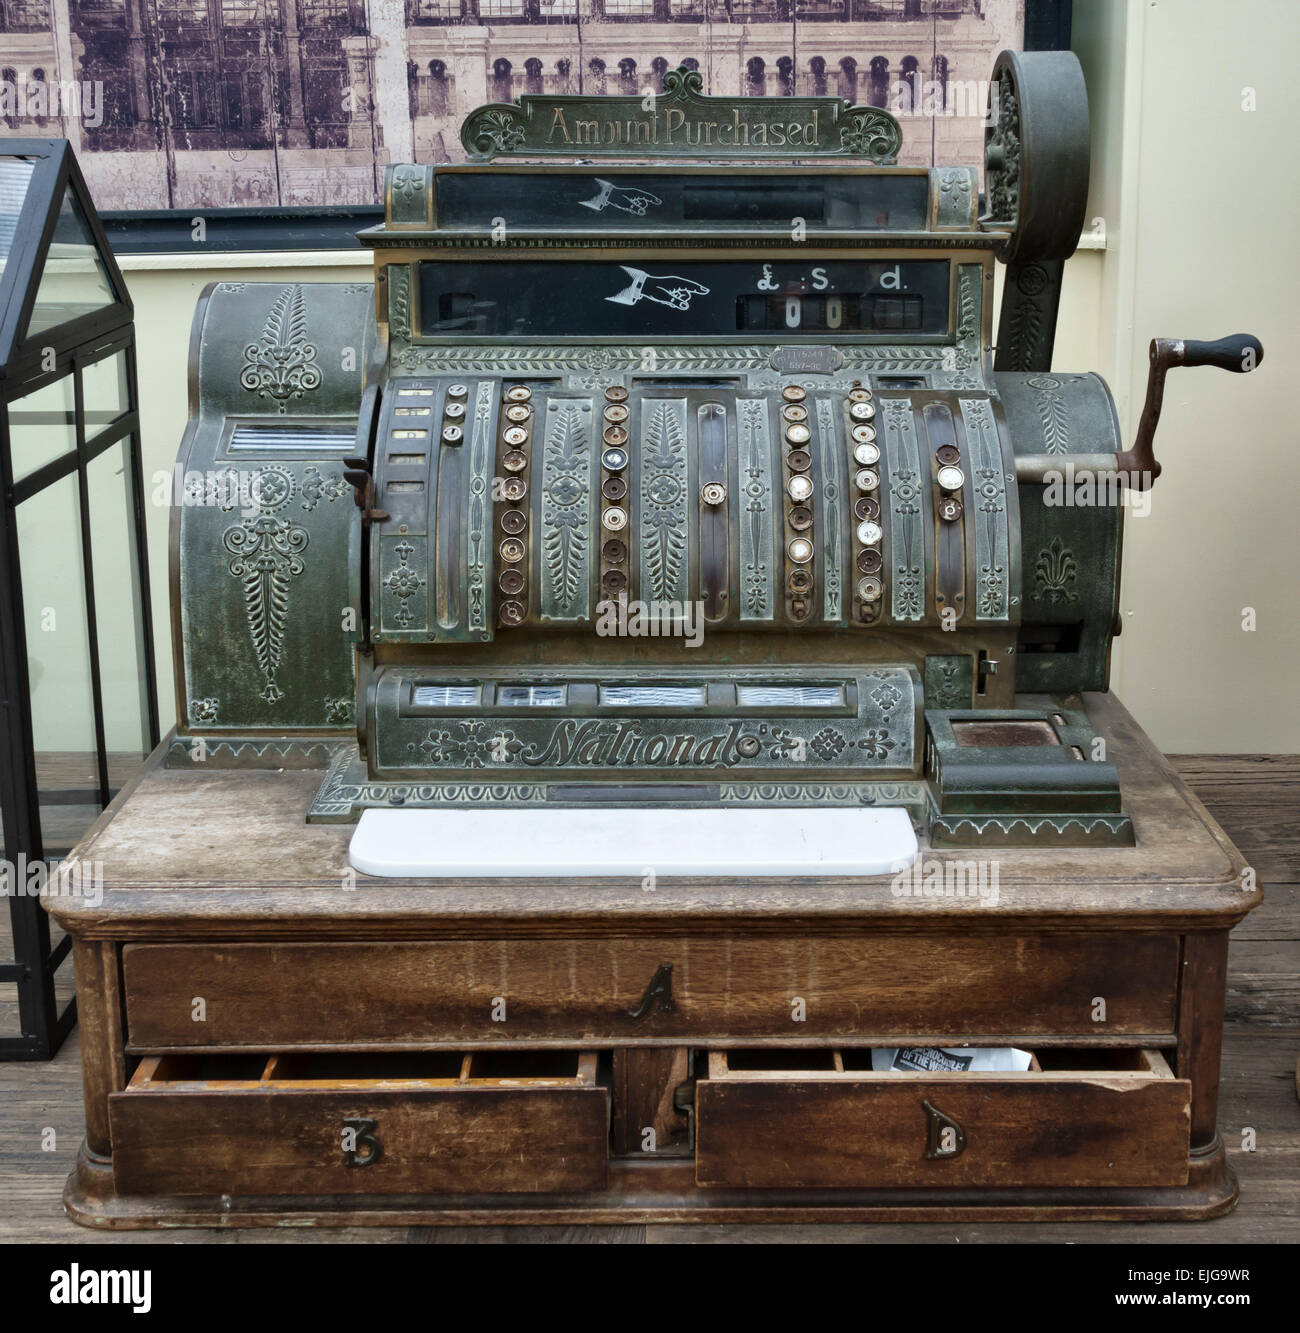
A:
(1071, 531)
(266, 539)
(1017, 777)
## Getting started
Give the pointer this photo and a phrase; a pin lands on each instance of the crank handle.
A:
(1239, 352)
(1137, 468)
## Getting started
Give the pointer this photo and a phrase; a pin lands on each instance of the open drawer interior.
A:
(1084, 1063)
(369, 1069)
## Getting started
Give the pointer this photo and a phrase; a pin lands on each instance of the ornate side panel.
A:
(265, 552)
(1070, 531)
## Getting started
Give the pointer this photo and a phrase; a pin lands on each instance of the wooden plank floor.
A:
(1257, 800)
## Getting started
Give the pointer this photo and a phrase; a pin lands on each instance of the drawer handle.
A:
(944, 1137)
(359, 1133)
(660, 989)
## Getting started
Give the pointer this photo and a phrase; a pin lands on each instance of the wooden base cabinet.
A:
(265, 1043)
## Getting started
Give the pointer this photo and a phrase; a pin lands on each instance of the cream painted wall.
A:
(1199, 197)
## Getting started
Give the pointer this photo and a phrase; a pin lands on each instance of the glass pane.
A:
(74, 282)
(42, 426)
(118, 616)
(103, 387)
(789, 696)
(15, 177)
(58, 662)
(651, 696)
(445, 696)
(531, 696)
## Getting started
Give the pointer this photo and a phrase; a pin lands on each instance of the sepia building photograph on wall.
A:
(257, 103)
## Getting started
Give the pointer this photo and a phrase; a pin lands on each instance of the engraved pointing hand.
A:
(609, 195)
(663, 289)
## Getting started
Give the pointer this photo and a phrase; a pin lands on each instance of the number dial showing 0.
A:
(832, 312)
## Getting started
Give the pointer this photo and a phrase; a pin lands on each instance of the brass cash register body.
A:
(695, 482)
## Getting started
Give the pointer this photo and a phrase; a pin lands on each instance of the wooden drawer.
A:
(497, 1122)
(616, 990)
(824, 1120)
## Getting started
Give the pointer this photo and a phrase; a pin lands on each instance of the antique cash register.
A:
(637, 662)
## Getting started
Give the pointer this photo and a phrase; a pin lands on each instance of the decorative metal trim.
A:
(528, 360)
(681, 122)
(876, 738)
(408, 195)
(203, 712)
(228, 752)
(1031, 830)
(603, 359)
(522, 239)
(949, 681)
(833, 480)
(757, 558)
(400, 329)
(316, 486)
(664, 523)
(1002, 176)
(1052, 411)
(282, 366)
(340, 712)
(989, 484)
(814, 793)
(401, 582)
(954, 206)
(266, 554)
(347, 790)
(478, 545)
(566, 504)
(1055, 571)
(907, 538)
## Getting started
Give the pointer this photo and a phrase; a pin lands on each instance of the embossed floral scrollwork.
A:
(339, 712)
(317, 487)
(266, 554)
(684, 82)
(1002, 155)
(495, 129)
(403, 581)
(1055, 572)
(203, 712)
(870, 132)
(282, 366)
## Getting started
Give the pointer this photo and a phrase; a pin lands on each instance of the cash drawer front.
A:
(852, 1129)
(371, 1125)
(608, 990)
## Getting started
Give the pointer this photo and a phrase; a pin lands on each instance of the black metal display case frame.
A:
(28, 364)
